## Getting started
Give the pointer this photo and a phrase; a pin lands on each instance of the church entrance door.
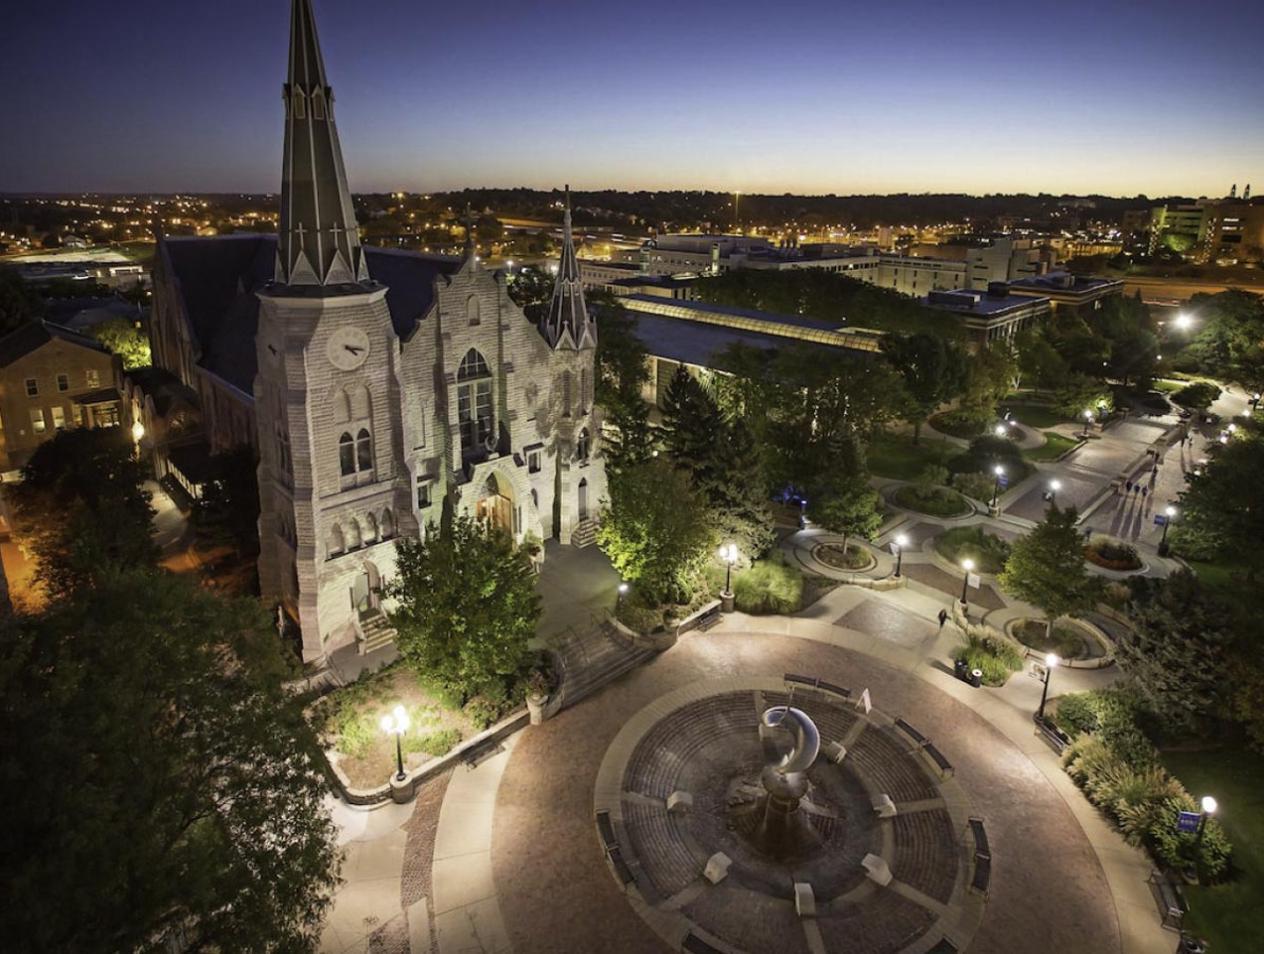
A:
(364, 593)
(583, 499)
(496, 505)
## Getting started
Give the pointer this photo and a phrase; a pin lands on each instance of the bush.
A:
(1112, 554)
(437, 743)
(976, 485)
(1197, 396)
(488, 705)
(936, 501)
(995, 658)
(638, 617)
(1076, 714)
(768, 586)
(959, 424)
(986, 452)
(988, 551)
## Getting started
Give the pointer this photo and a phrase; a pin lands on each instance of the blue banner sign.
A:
(1188, 821)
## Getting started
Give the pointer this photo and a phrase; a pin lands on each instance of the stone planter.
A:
(536, 706)
(402, 790)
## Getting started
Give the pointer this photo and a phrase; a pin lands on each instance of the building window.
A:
(472, 310)
(474, 402)
(388, 524)
(370, 529)
(32, 387)
(583, 446)
(336, 544)
(566, 394)
(93, 378)
(63, 382)
(533, 462)
(353, 534)
(318, 105)
(300, 105)
(346, 454)
(37, 420)
(59, 417)
(364, 451)
(423, 492)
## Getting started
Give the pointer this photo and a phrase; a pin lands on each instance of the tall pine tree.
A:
(1046, 567)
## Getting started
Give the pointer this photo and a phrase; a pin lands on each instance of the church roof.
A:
(35, 334)
(319, 241)
(218, 278)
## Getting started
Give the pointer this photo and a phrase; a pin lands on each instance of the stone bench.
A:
(1170, 900)
(814, 682)
(945, 767)
(982, 874)
(912, 733)
(702, 618)
(980, 838)
(626, 877)
(605, 828)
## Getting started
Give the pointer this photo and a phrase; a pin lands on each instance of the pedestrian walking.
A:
(1130, 486)
(943, 618)
(1145, 491)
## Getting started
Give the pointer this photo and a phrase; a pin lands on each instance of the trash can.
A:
(976, 678)
(962, 670)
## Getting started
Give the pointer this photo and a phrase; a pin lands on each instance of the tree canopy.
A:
(126, 340)
(163, 778)
(933, 369)
(621, 374)
(1046, 567)
(466, 605)
(1220, 507)
(1230, 342)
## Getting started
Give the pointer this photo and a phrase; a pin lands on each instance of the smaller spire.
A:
(567, 320)
(471, 247)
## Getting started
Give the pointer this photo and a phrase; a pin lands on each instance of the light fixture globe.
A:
(901, 540)
(998, 470)
(1052, 660)
(1209, 805)
(967, 564)
(1169, 510)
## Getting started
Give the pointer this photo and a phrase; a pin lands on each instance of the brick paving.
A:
(950, 584)
(556, 893)
(887, 621)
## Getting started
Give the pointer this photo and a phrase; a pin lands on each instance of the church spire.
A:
(567, 320)
(318, 243)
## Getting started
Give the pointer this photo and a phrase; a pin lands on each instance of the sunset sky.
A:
(1118, 98)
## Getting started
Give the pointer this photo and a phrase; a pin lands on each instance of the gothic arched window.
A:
(388, 524)
(353, 534)
(474, 402)
(566, 394)
(472, 310)
(583, 446)
(364, 451)
(336, 542)
(342, 407)
(346, 455)
(370, 529)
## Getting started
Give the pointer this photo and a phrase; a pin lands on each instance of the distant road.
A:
(1162, 291)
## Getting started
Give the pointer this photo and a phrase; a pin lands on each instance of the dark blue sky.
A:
(920, 95)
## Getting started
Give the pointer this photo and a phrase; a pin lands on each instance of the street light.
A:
(1000, 430)
(1168, 513)
(1208, 806)
(623, 591)
(1051, 663)
(1183, 322)
(968, 565)
(901, 541)
(138, 431)
(999, 472)
(396, 724)
(1054, 486)
(728, 553)
(1088, 419)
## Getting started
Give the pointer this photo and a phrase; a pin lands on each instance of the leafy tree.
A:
(127, 341)
(164, 779)
(1046, 567)
(1039, 363)
(655, 530)
(1176, 652)
(81, 508)
(990, 375)
(466, 605)
(18, 301)
(228, 511)
(933, 372)
(1197, 396)
(848, 506)
(692, 425)
(532, 291)
(738, 493)
(1221, 506)
(1078, 393)
(1231, 341)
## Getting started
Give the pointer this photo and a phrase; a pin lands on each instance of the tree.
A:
(692, 426)
(1175, 654)
(1221, 506)
(466, 605)
(933, 372)
(1230, 343)
(227, 513)
(1197, 396)
(622, 372)
(1039, 363)
(81, 509)
(655, 530)
(1078, 393)
(990, 375)
(18, 302)
(738, 492)
(848, 505)
(165, 780)
(1046, 567)
(126, 340)
(532, 291)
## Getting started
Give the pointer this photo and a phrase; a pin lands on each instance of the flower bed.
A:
(1112, 554)
(996, 658)
(855, 558)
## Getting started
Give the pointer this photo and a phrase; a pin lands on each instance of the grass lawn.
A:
(988, 551)
(1036, 415)
(1055, 446)
(896, 456)
(1216, 576)
(1228, 915)
(1065, 641)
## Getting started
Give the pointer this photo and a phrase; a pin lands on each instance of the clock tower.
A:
(326, 382)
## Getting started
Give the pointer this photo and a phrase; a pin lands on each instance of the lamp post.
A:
(1208, 806)
(1051, 663)
(622, 590)
(968, 565)
(1168, 513)
(728, 553)
(1088, 419)
(396, 724)
(1054, 486)
(999, 430)
(901, 541)
(998, 472)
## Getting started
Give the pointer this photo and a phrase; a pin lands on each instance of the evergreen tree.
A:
(738, 494)
(1221, 506)
(1046, 567)
(692, 426)
(933, 370)
(227, 513)
(622, 372)
(1176, 652)
(848, 505)
(467, 605)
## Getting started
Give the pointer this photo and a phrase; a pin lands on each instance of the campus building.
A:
(377, 386)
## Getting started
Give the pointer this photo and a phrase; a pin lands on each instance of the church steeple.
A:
(318, 243)
(567, 322)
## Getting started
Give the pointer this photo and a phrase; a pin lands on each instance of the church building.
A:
(376, 385)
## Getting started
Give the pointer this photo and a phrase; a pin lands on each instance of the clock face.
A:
(348, 348)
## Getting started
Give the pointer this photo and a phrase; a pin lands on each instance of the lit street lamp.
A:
(1168, 513)
(622, 591)
(1051, 663)
(1000, 430)
(1208, 806)
(999, 472)
(1054, 486)
(901, 541)
(968, 565)
(1183, 322)
(1088, 419)
(396, 724)
(138, 431)
(728, 553)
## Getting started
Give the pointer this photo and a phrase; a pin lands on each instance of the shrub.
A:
(986, 452)
(488, 705)
(1076, 713)
(437, 743)
(995, 658)
(959, 423)
(937, 501)
(976, 485)
(1112, 554)
(768, 586)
